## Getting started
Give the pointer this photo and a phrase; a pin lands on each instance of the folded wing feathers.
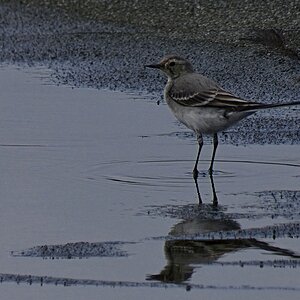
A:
(216, 98)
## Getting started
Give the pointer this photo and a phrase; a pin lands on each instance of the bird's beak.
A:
(154, 66)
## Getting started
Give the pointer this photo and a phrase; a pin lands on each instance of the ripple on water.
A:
(174, 174)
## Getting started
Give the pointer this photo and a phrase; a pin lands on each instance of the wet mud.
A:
(95, 44)
(74, 250)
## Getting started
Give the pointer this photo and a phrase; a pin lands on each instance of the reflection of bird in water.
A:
(182, 255)
(213, 189)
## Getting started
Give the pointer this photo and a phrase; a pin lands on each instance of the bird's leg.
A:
(215, 142)
(200, 144)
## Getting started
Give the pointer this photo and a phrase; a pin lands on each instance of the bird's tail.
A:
(256, 106)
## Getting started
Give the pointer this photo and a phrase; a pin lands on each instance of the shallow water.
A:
(83, 167)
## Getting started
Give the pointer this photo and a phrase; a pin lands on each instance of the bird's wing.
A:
(217, 98)
(200, 91)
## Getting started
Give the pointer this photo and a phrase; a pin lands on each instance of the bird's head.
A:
(173, 65)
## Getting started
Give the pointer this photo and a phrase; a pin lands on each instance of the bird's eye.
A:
(172, 64)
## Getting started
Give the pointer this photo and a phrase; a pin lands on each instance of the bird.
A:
(202, 105)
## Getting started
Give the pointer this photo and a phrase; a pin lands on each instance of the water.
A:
(85, 167)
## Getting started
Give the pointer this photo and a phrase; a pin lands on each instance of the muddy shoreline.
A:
(99, 45)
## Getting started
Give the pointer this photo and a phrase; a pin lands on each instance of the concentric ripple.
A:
(177, 173)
